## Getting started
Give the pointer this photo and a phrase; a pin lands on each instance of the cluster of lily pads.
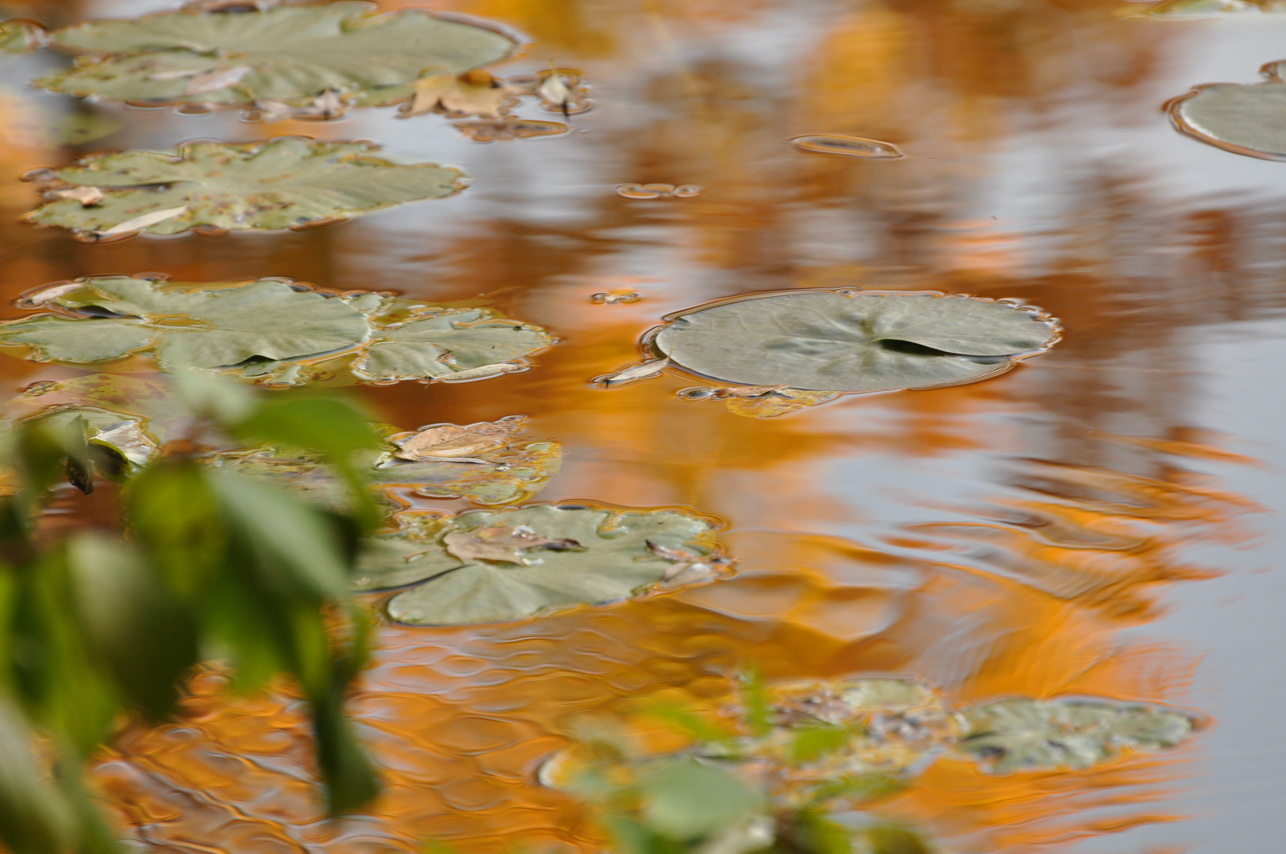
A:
(794, 756)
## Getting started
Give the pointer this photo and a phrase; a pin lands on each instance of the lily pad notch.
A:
(846, 341)
(285, 182)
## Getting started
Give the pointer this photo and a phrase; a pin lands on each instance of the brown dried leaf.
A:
(85, 195)
(474, 93)
(219, 78)
(502, 543)
(453, 440)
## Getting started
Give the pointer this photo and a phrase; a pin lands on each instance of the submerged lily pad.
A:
(553, 557)
(1018, 735)
(286, 54)
(1244, 119)
(853, 341)
(285, 182)
(270, 330)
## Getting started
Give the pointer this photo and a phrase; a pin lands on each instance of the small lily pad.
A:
(616, 554)
(271, 330)
(284, 55)
(853, 341)
(285, 182)
(506, 473)
(21, 36)
(1021, 735)
(1244, 119)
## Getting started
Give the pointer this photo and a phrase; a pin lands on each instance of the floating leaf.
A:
(497, 130)
(614, 561)
(187, 326)
(1018, 735)
(778, 403)
(1243, 119)
(848, 146)
(853, 341)
(270, 330)
(285, 182)
(1211, 8)
(506, 473)
(286, 54)
(474, 93)
(20, 36)
(452, 441)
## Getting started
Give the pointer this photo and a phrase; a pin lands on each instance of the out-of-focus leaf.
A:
(34, 818)
(284, 182)
(853, 341)
(1020, 735)
(287, 54)
(351, 782)
(614, 563)
(142, 633)
(20, 36)
(688, 801)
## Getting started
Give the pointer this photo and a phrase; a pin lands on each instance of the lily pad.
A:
(285, 182)
(1019, 735)
(584, 556)
(853, 341)
(1211, 8)
(1244, 119)
(271, 330)
(21, 36)
(284, 54)
(505, 473)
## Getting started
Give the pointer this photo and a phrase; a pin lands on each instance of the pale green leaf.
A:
(1243, 119)
(281, 183)
(1019, 735)
(287, 54)
(853, 341)
(618, 554)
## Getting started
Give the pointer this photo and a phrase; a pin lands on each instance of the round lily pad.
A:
(283, 55)
(853, 341)
(271, 330)
(285, 182)
(1243, 119)
(488, 566)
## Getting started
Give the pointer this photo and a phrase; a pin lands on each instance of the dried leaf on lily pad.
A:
(853, 341)
(273, 331)
(1022, 735)
(285, 55)
(454, 440)
(1244, 119)
(504, 473)
(287, 182)
(474, 93)
(614, 558)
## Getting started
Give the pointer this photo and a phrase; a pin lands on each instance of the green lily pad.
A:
(853, 341)
(271, 330)
(21, 36)
(512, 472)
(1244, 119)
(1019, 735)
(283, 55)
(489, 566)
(285, 182)
(1211, 8)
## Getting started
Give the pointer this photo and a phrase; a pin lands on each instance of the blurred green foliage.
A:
(721, 796)
(103, 626)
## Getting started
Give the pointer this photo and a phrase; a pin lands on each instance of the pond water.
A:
(1102, 520)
